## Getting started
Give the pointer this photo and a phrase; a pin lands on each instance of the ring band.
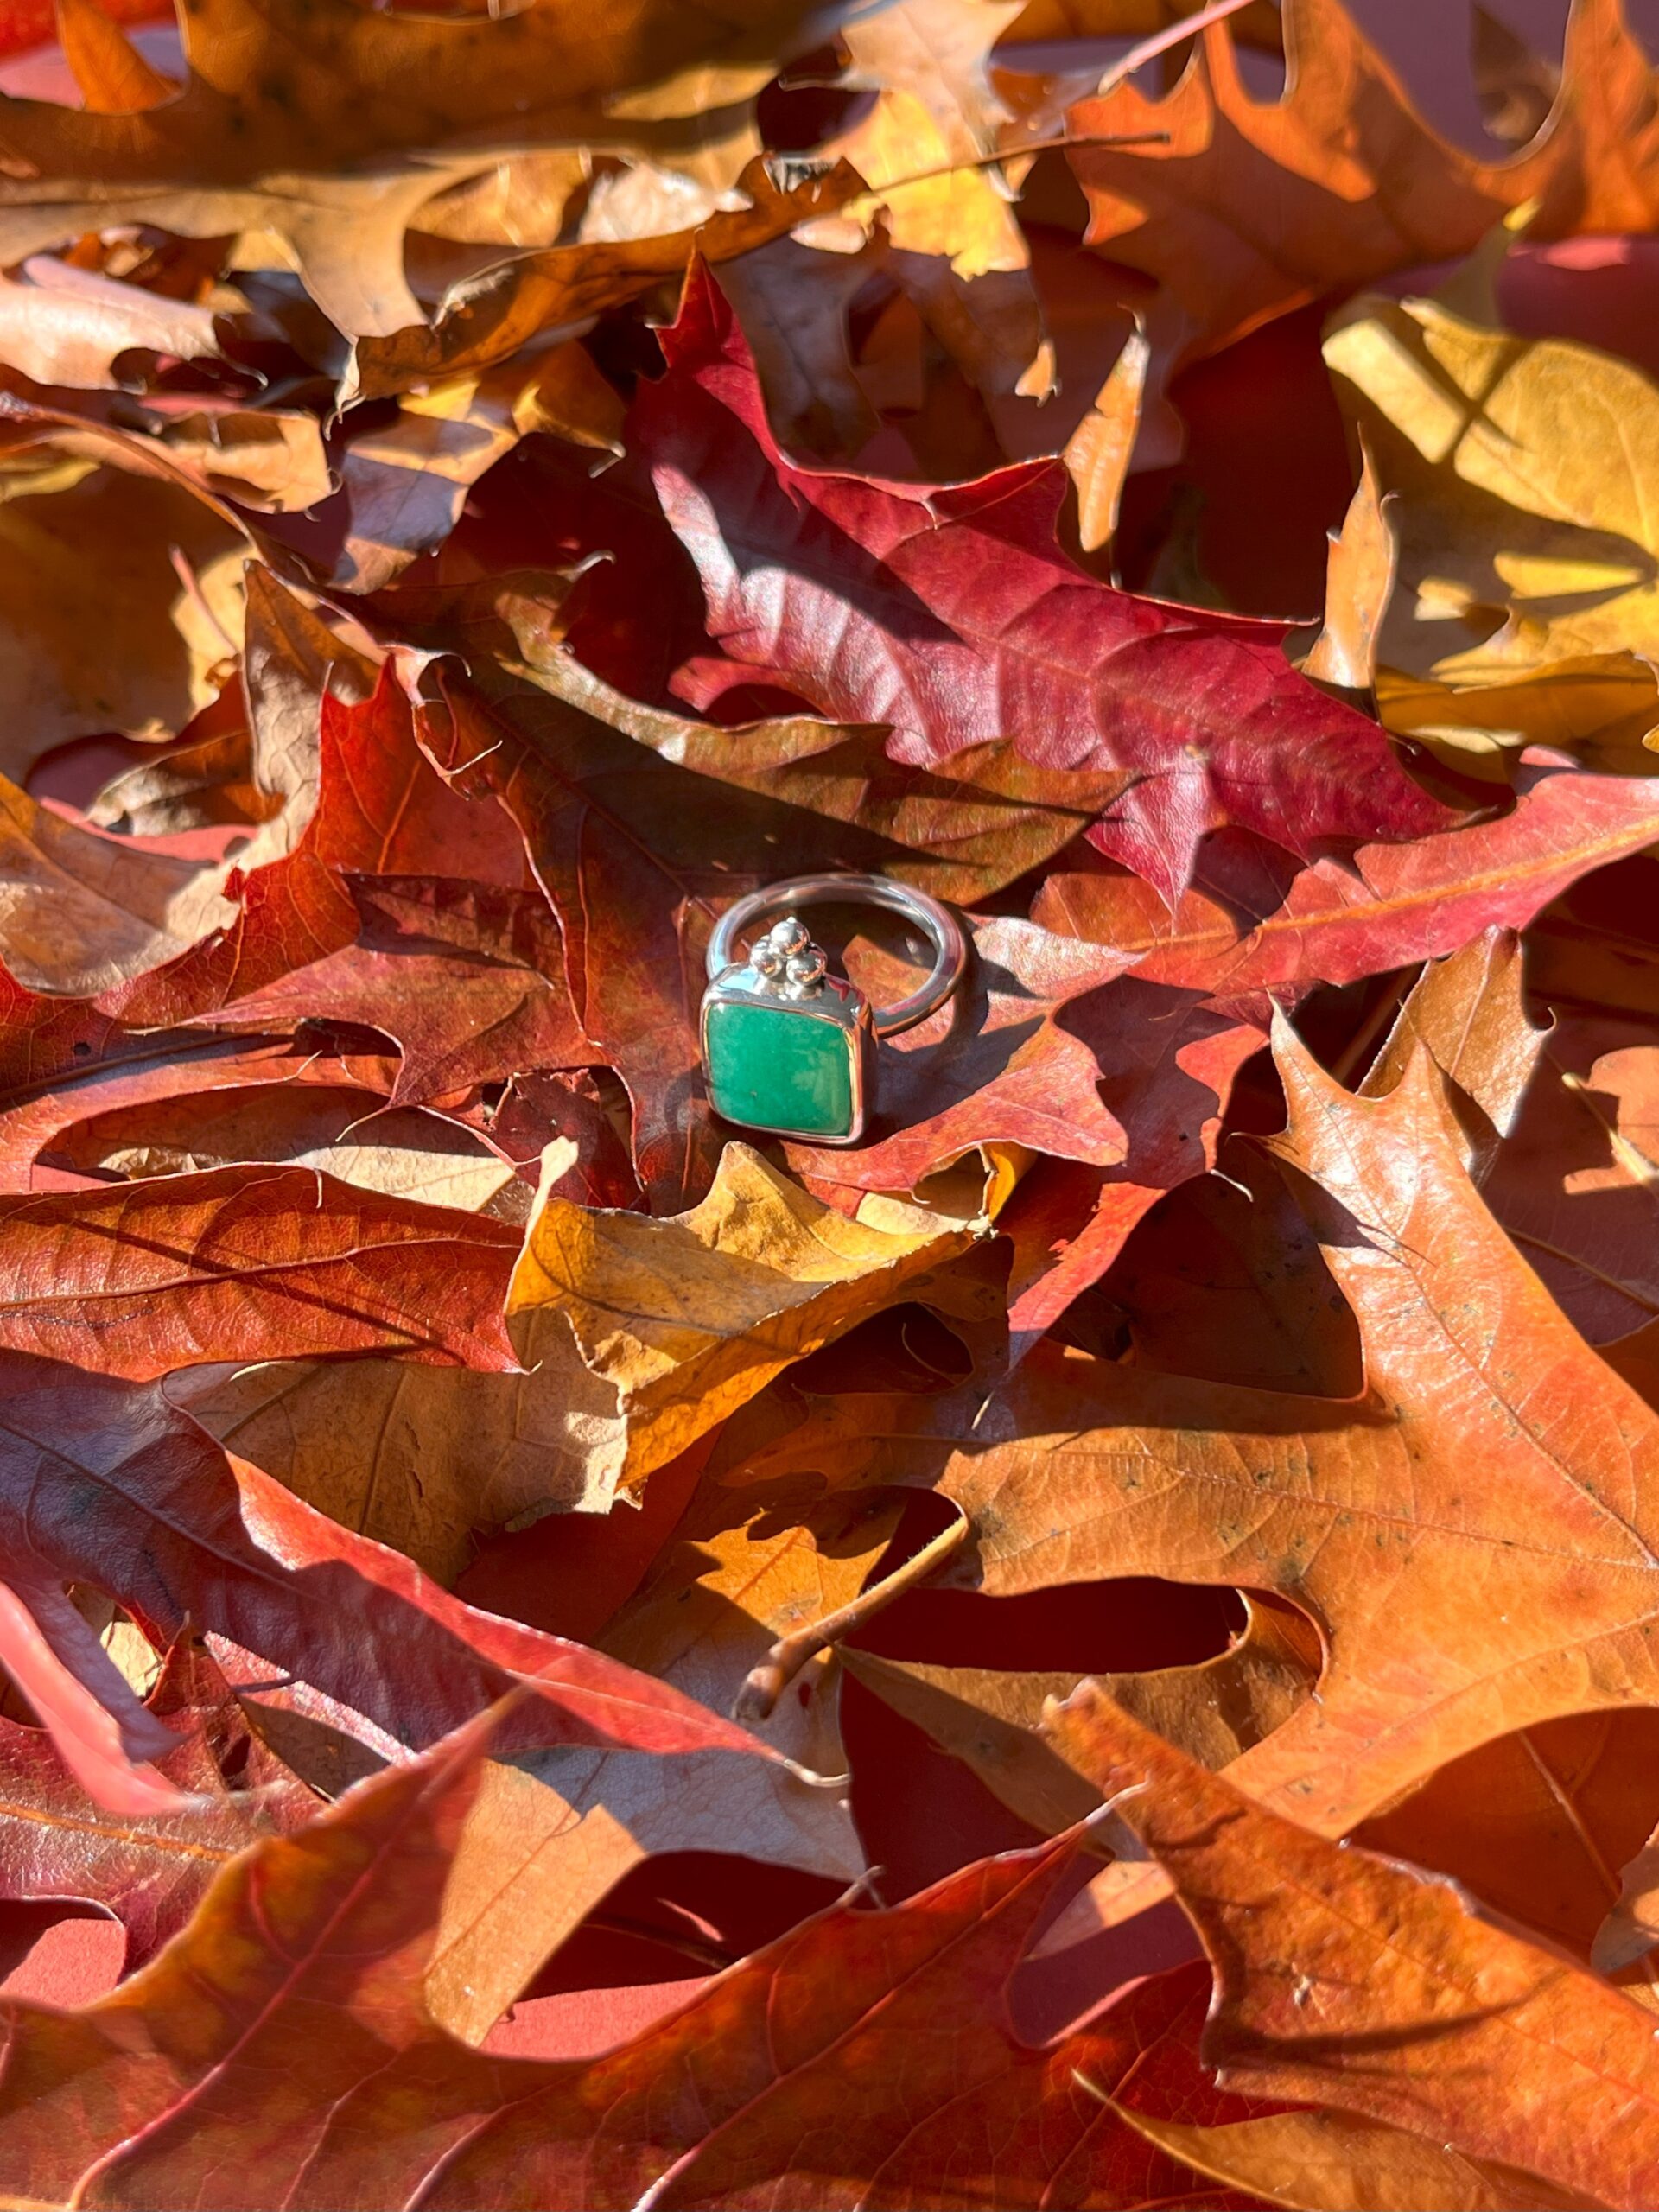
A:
(940, 927)
(789, 1048)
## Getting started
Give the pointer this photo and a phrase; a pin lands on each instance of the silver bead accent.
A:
(805, 972)
(787, 961)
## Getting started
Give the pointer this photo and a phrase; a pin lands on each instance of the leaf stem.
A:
(757, 1699)
(1057, 144)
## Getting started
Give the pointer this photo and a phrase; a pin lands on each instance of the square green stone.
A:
(775, 1068)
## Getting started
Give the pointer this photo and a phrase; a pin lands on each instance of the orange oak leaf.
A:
(1489, 1441)
(1253, 207)
(1349, 1979)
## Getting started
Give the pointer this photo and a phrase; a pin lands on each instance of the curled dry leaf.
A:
(99, 633)
(203, 781)
(1358, 585)
(286, 107)
(1098, 452)
(60, 325)
(621, 1374)
(352, 1134)
(406, 484)
(83, 914)
(270, 463)
(793, 304)
(939, 52)
(687, 1318)
(1602, 708)
(489, 317)
(58, 1130)
(293, 662)
(962, 828)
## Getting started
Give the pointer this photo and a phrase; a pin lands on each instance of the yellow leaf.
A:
(1527, 472)
(956, 212)
(1604, 707)
(688, 1318)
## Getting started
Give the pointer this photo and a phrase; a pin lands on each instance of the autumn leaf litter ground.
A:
(1098, 1647)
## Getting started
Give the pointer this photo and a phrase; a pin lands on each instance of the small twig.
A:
(1012, 154)
(713, 1958)
(757, 1699)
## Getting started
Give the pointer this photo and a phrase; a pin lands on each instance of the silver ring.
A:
(787, 1047)
(939, 927)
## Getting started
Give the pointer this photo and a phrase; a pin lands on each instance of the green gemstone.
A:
(778, 1069)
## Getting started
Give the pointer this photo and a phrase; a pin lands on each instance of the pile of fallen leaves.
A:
(1097, 1648)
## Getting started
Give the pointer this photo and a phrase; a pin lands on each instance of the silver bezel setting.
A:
(840, 1004)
